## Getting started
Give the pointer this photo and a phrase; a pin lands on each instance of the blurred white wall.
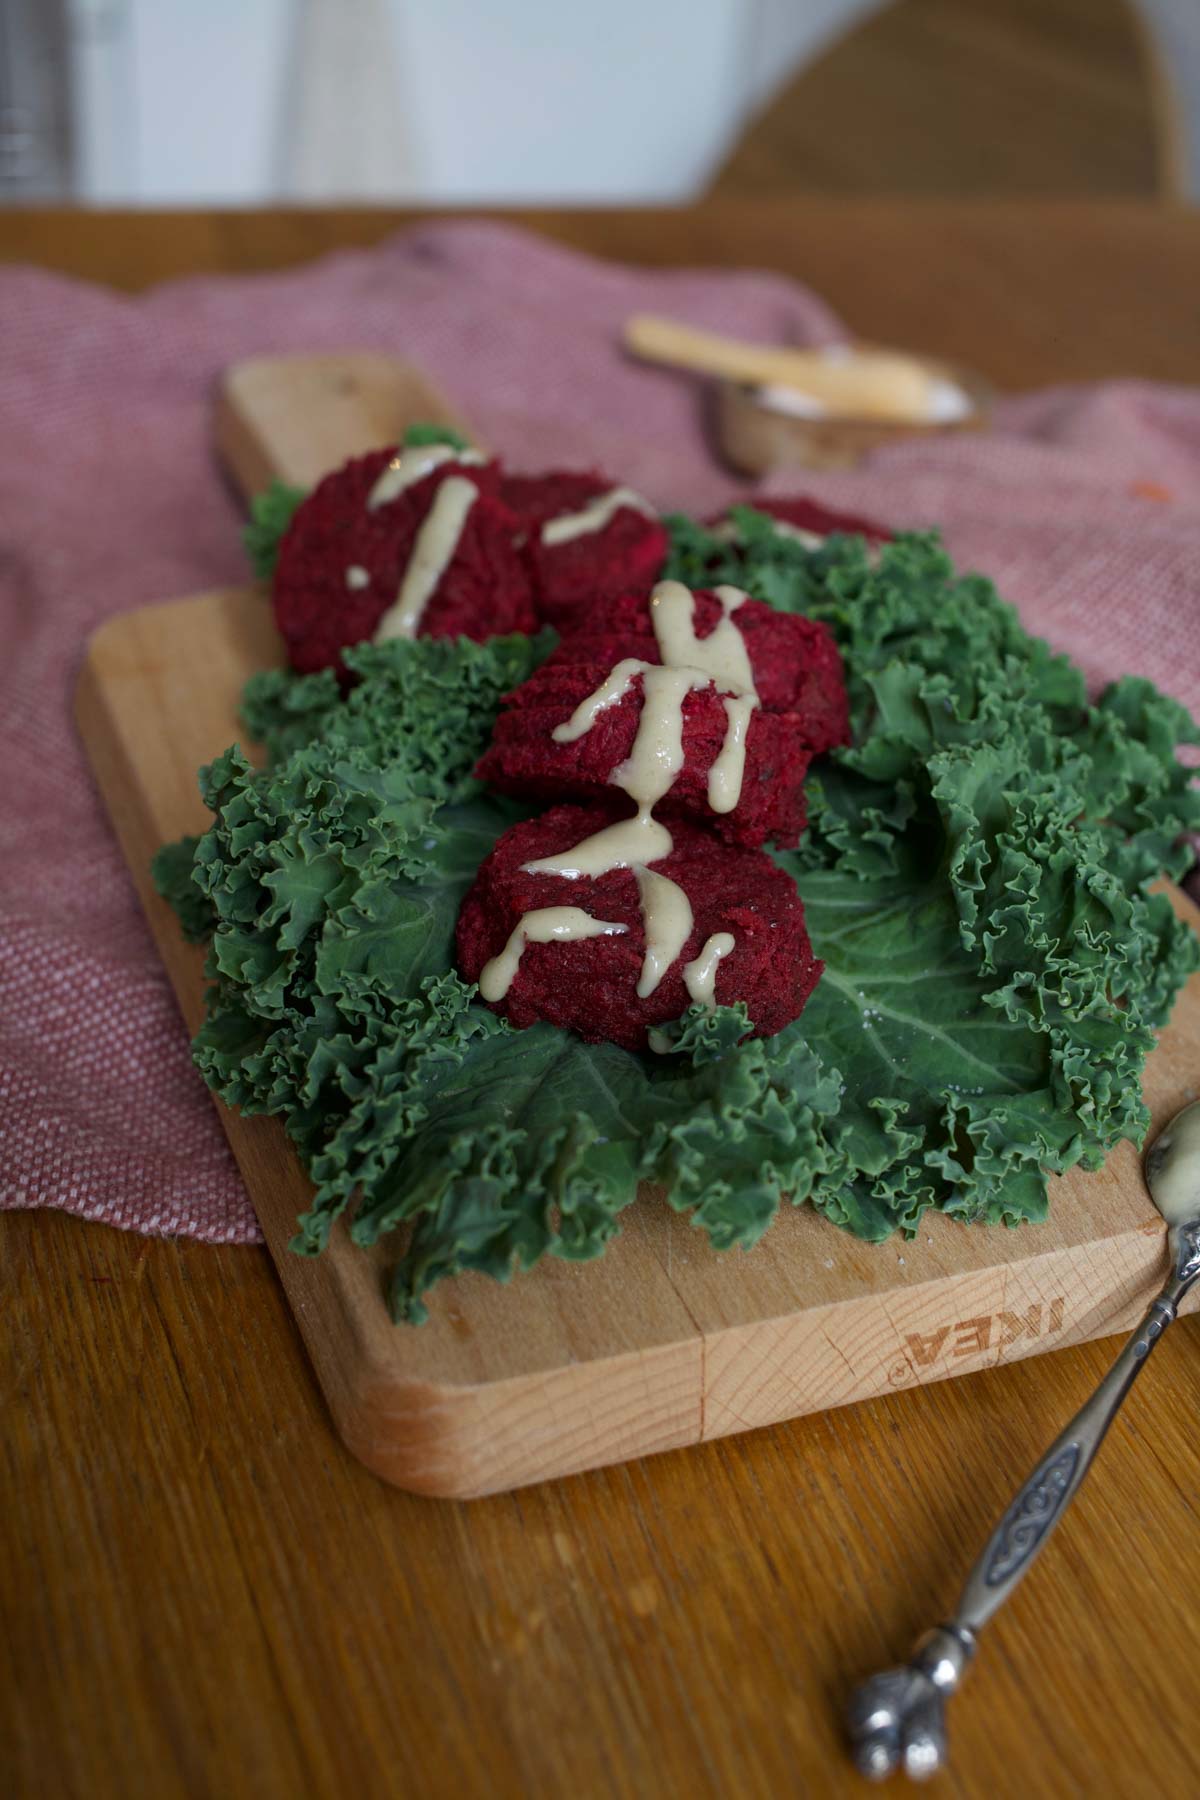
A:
(242, 101)
(538, 99)
(177, 102)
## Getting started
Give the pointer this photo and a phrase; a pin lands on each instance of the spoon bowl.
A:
(1173, 1168)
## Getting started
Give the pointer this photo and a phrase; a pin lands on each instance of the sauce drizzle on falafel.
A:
(647, 774)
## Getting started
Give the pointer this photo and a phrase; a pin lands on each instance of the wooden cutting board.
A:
(663, 1342)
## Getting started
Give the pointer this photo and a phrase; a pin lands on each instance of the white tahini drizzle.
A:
(357, 577)
(629, 844)
(436, 543)
(549, 924)
(614, 687)
(593, 517)
(412, 465)
(728, 770)
(667, 918)
(723, 656)
(656, 758)
(700, 977)
(647, 774)
(812, 540)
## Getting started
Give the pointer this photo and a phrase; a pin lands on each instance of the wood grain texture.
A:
(202, 1594)
(981, 97)
(265, 410)
(663, 1341)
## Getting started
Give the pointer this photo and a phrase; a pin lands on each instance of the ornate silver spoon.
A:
(896, 1719)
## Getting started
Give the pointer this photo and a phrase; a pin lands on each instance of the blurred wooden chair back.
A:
(1049, 98)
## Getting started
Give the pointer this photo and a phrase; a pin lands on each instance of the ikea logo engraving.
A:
(975, 1337)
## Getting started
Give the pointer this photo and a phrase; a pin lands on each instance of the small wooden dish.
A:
(757, 437)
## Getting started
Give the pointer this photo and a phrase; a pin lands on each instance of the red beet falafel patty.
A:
(684, 726)
(585, 537)
(612, 956)
(405, 543)
(794, 661)
(571, 729)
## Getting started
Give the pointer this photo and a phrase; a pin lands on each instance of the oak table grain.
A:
(203, 1594)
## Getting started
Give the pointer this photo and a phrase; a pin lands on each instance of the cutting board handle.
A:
(294, 418)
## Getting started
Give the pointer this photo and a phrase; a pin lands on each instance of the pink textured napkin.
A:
(1083, 504)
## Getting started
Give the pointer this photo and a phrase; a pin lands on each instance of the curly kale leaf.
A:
(270, 515)
(903, 1010)
(334, 891)
(1033, 823)
(975, 876)
(171, 872)
(426, 702)
(501, 1146)
(417, 435)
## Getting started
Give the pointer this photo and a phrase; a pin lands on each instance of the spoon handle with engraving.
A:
(897, 1717)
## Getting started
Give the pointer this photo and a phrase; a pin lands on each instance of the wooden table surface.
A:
(201, 1594)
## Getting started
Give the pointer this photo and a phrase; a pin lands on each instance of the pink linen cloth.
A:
(1083, 504)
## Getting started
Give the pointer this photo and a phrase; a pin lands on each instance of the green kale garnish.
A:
(428, 702)
(172, 871)
(416, 435)
(975, 876)
(270, 515)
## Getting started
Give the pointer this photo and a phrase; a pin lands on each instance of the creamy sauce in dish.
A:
(357, 577)
(412, 465)
(647, 774)
(1175, 1187)
(945, 405)
(435, 545)
(593, 517)
(700, 977)
(549, 924)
